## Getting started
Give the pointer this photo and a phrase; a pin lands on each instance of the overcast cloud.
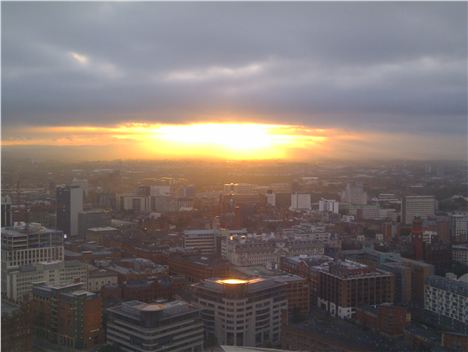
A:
(393, 67)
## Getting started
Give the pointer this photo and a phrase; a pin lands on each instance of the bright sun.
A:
(230, 140)
(235, 137)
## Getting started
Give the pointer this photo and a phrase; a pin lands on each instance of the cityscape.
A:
(220, 176)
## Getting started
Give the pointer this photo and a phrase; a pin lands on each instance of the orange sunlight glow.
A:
(225, 140)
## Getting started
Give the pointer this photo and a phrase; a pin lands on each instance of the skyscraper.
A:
(69, 204)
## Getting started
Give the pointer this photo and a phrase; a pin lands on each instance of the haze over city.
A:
(236, 81)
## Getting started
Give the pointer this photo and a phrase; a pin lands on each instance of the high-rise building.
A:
(301, 201)
(417, 206)
(7, 214)
(173, 326)
(458, 227)
(69, 204)
(329, 205)
(241, 312)
(67, 315)
(354, 194)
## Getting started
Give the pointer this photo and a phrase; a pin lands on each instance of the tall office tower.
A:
(354, 194)
(459, 227)
(329, 205)
(242, 312)
(7, 214)
(413, 206)
(137, 326)
(67, 315)
(301, 201)
(69, 204)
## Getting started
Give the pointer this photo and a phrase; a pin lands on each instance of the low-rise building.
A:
(99, 278)
(447, 299)
(267, 249)
(19, 282)
(344, 285)
(172, 326)
(460, 254)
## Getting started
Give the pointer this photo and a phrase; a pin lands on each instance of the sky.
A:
(235, 80)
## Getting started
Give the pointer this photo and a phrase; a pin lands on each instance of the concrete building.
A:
(69, 204)
(267, 249)
(329, 205)
(93, 218)
(202, 240)
(207, 241)
(354, 194)
(19, 282)
(67, 315)
(301, 201)
(99, 278)
(7, 213)
(100, 234)
(198, 267)
(29, 244)
(460, 254)
(242, 312)
(458, 227)
(238, 188)
(139, 327)
(344, 285)
(448, 300)
(134, 202)
(271, 198)
(417, 206)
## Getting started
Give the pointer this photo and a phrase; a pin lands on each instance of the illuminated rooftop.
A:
(232, 281)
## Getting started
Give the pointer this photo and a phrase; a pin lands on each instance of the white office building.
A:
(417, 206)
(354, 194)
(17, 283)
(301, 201)
(329, 205)
(447, 298)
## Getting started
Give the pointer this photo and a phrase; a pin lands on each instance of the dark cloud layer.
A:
(374, 66)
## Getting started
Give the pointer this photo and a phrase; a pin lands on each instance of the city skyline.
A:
(289, 81)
